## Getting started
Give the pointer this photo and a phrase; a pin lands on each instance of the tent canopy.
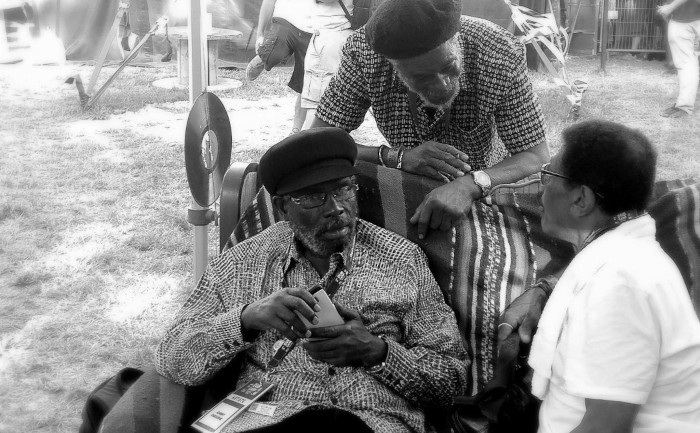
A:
(82, 24)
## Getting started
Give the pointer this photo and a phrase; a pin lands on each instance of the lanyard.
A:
(617, 220)
(413, 107)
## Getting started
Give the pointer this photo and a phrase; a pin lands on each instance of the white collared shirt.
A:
(620, 326)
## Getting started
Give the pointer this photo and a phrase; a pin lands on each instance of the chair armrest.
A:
(238, 190)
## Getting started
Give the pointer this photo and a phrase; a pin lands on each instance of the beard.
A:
(442, 101)
(311, 237)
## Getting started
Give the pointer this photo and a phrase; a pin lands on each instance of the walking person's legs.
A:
(681, 40)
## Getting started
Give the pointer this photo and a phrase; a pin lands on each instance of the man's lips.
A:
(336, 230)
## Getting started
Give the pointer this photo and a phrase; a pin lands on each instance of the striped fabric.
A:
(500, 250)
(676, 210)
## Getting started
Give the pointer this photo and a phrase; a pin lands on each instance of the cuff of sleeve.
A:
(228, 335)
(547, 284)
(394, 366)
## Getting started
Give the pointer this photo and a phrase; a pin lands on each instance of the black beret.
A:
(308, 158)
(400, 29)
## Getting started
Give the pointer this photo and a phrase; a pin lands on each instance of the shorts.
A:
(321, 63)
(283, 39)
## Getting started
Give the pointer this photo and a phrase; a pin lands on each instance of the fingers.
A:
(436, 213)
(446, 223)
(302, 301)
(288, 324)
(504, 330)
(436, 160)
(280, 311)
(324, 351)
(450, 167)
(327, 332)
(421, 217)
(346, 313)
(452, 156)
(285, 329)
(527, 328)
(433, 173)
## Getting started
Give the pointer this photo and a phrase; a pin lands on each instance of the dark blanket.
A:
(499, 250)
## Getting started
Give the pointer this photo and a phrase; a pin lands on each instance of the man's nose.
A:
(332, 206)
(443, 81)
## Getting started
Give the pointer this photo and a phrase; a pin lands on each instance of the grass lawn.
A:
(95, 252)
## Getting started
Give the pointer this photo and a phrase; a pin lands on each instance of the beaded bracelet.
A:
(546, 284)
(392, 157)
(399, 164)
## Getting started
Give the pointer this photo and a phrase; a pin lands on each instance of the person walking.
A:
(284, 29)
(683, 30)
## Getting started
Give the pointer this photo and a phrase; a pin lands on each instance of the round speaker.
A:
(207, 148)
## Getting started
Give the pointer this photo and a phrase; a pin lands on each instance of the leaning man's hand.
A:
(522, 315)
(445, 205)
(350, 344)
(438, 161)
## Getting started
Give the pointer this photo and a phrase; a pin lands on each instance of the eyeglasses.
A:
(310, 201)
(546, 177)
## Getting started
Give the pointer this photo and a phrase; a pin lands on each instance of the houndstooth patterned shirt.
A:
(388, 282)
(495, 114)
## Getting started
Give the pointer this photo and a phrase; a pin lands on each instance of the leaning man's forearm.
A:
(519, 165)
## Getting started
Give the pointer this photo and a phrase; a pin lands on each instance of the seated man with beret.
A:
(399, 349)
(450, 94)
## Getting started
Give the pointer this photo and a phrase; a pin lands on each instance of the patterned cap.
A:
(400, 29)
(308, 158)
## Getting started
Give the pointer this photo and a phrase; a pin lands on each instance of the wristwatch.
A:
(483, 181)
(377, 367)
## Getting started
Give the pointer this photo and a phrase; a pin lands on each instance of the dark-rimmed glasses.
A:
(310, 201)
(546, 177)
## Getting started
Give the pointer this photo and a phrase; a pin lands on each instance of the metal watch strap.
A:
(378, 367)
(485, 189)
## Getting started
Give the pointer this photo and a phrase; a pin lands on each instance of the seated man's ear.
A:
(281, 204)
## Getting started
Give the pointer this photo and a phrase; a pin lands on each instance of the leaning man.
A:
(450, 94)
(398, 350)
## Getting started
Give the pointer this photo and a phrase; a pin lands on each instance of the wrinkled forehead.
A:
(433, 62)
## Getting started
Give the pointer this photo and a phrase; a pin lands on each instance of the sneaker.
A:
(254, 68)
(673, 112)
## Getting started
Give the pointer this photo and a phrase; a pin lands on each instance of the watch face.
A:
(482, 179)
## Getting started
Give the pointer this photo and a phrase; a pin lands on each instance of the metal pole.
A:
(198, 85)
(604, 37)
(58, 19)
